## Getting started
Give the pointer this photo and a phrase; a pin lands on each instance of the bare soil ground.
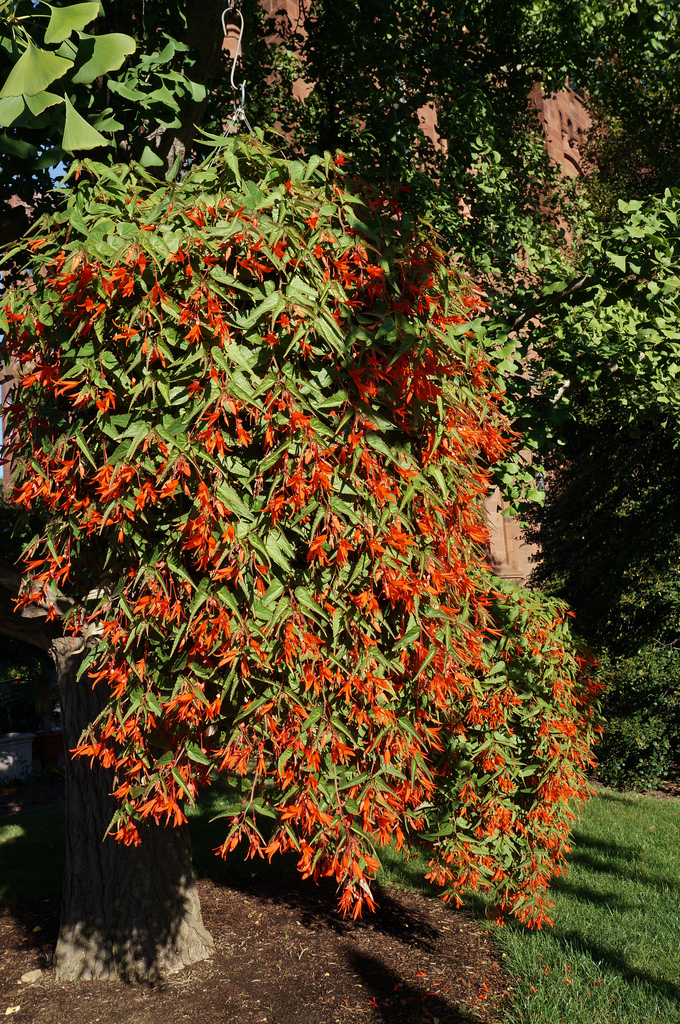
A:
(282, 955)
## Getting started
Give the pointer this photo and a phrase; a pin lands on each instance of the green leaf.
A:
(104, 53)
(65, 20)
(284, 757)
(430, 655)
(82, 444)
(24, 150)
(273, 304)
(78, 134)
(233, 501)
(273, 549)
(34, 71)
(41, 101)
(11, 108)
(308, 602)
(182, 785)
(123, 89)
(232, 163)
(617, 260)
(198, 91)
(149, 158)
(14, 107)
(339, 398)
(196, 754)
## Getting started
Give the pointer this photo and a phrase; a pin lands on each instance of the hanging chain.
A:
(239, 114)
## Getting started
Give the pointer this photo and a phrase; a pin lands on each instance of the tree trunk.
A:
(127, 912)
(204, 35)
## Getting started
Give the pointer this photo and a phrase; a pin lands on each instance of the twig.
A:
(529, 314)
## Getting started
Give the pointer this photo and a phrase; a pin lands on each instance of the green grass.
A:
(613, 956)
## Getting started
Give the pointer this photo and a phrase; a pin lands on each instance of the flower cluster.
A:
(253, 416)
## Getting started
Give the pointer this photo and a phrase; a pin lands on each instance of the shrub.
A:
(641, 705)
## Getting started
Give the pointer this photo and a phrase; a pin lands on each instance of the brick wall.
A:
(565, 122)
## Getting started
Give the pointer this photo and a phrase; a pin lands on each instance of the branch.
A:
(10, 579)
(28, 624)
(529, 314)
(37, 632)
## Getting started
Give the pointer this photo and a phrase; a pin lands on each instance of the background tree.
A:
(633, 96)
(603, 391)
(609, 537)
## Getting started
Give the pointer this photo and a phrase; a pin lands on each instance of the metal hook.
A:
(234, 8)
(239, 108)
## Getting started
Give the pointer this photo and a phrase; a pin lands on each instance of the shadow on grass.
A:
(31, 873)
(32, 854)
(606, 956)
(617, 860)
(587, 895)
(614, 797)
(601, 858)
(32, 862)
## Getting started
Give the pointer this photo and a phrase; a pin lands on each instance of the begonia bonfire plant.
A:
(253, 417)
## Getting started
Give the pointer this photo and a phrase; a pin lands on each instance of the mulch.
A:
(283, 955)
(669, 789)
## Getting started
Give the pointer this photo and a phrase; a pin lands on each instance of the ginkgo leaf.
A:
(618, 260)
(13, 107)
(65, 20)
(24, 150)
(34, 71)
(78, 134)
(103, 54)
(149, 158)
(41, 101)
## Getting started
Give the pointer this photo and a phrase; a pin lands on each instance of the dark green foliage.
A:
(641, 741)
(610, 534)
(633, 96)
(610, 537)
(27, 689)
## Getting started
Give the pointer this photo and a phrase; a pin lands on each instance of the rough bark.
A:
(30, 630)
(127, 912)
(204, 35)
(27, 624)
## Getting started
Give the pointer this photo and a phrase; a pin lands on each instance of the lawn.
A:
(613, 956)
